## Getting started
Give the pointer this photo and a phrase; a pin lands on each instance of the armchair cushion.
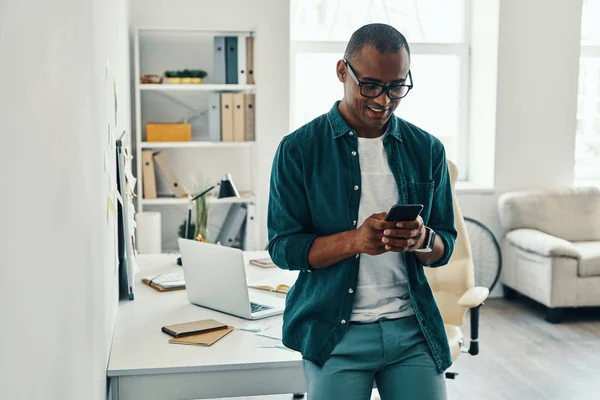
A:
(474, 297)
(541, 243)
(569, 213)
(589, 263)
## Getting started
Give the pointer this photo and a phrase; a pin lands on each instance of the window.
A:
(587, 144)
(437, 32)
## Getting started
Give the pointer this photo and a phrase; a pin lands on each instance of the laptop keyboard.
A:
(258, 307)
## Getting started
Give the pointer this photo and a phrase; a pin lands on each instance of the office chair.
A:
(454, 289)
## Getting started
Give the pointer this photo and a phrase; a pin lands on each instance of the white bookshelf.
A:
(195, 144)
(201, 148)
(203, 87)
(170, 201)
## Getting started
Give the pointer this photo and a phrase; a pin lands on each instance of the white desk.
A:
(143, 365)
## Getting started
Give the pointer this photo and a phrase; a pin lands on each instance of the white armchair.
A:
(551, 249)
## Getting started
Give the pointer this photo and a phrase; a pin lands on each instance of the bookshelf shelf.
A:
(194, 145)
(172, 201)
(202, 87)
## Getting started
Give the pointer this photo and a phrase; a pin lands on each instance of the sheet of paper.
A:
(273, 332)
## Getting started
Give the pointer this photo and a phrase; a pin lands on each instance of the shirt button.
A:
(351, 133)
(343, 322)
(350, 290)
(353, 153)
(355, 187)
(356, 256)
(354, 222)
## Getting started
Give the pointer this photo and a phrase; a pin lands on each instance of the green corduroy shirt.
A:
(315, 191)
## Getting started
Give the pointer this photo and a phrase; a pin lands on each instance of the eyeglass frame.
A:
(384, 88)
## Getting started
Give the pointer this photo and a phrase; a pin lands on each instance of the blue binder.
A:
(219, 60)
(231, 59)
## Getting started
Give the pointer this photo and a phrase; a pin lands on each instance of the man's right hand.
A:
(368, 236)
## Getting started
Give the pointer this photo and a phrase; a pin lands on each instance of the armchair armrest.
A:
(474, 297)
(542, 243)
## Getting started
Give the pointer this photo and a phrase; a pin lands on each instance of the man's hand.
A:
(370, 234)
(405, 236)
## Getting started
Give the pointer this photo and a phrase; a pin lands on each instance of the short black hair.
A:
(385, 38)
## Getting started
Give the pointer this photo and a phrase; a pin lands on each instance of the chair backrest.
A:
(569, 213)
(452, 280)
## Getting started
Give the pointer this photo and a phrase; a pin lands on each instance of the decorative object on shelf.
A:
(227, 189)
(186, 76)
(151, 79)
(201, 223)
(168, 132)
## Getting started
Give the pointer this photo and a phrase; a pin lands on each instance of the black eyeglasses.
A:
(373, 90)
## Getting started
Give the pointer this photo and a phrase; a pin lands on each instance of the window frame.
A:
(461, 50)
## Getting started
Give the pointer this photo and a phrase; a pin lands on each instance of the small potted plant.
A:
(172, 77)
(186, 76)
(198, 76)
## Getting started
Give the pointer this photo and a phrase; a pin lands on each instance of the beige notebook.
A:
(203, 339)
(193, 328)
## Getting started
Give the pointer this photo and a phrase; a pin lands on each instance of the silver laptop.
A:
(215, 278)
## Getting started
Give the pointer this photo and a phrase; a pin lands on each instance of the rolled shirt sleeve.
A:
(289, 218)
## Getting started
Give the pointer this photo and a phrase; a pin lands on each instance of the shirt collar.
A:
(340, 127)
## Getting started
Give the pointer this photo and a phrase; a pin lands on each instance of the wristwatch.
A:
(429, 241)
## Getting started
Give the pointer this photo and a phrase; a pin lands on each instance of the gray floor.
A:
(523, 357)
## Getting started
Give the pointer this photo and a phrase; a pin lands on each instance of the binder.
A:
(167, 172)
(214, 117)
(250, 60)
(219, 60)
(239, 119)
(231, 59)
(227, 117)
(249, 238)
(250, 118)
(232, 225)
(148, 174)
(241, 49)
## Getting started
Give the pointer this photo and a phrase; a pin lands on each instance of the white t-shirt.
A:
(382, 289)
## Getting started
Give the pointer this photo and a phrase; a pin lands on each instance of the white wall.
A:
(57, 256)
(269, 19)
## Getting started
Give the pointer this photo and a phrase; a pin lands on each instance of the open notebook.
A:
(279, 285)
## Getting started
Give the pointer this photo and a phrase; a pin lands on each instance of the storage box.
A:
(168, 132)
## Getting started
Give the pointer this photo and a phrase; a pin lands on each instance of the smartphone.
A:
(404, 212)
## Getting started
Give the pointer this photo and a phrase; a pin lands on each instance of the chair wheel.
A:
(451, 375)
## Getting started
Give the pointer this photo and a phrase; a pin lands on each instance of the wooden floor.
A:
(523, 357)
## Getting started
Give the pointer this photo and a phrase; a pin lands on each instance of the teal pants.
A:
(393, 353)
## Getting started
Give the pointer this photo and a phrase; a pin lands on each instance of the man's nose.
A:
(383, 99)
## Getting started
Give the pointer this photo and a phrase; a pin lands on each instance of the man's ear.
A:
(341, 70)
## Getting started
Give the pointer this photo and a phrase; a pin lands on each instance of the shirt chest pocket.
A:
(422, 193)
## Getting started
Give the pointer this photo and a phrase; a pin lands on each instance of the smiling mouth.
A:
(378, 110)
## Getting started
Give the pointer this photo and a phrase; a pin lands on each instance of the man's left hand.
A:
(406, 237)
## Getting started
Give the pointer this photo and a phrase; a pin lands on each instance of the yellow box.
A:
(168, 132)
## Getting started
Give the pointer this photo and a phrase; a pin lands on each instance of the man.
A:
(362, 309)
